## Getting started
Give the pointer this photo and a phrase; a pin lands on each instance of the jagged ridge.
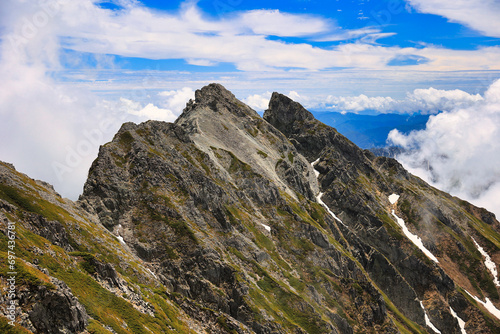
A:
(219, 229)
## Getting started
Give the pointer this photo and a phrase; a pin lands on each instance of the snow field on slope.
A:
(428, 321)
(318, 197)
(492, 267)
(413, 237)
(461, 323)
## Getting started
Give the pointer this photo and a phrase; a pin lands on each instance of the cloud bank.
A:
(459, 151)
(425, 101)
(52, 130)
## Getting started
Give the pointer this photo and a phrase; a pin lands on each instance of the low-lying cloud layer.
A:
(52, 130)
(426, 101)
(459, 151)
(429, 101)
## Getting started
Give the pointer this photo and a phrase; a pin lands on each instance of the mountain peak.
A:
(284, 112)
(228, 225)
(217, 119)
(215, 98)
(212, 92)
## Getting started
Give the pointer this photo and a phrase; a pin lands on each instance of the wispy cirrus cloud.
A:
(480, 15)
(276, 23)
(241, 39)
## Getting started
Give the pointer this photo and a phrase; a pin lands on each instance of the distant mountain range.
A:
(370, 131)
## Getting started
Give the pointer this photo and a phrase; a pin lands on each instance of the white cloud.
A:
(459, 150)
(274, 22)
(261, 101)
(201, 62)
(51, 130)
(428, 100)
(360, 103)
(172, 103)
(258, 101)
(175, 100)
(341, 34)
(480, 15)
(302, 99)
(241, 39)
(150, 111)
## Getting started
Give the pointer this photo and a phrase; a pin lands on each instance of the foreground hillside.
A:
(225, 222)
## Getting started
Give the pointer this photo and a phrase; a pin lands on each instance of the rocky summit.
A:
(226, 222)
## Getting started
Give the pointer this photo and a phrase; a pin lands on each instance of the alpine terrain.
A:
(226, 222)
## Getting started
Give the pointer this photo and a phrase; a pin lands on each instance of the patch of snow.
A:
(393, 198)
(314, 163)
(318, 198)
(320, 201)
(492, 267)
(268, 228)
(461, 323)
(152, 273)
(120, 238)
(488, 305)
(428, 321)
(414, 238)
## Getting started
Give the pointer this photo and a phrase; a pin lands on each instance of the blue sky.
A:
(375, 48)
(74, 70)
(389, 23)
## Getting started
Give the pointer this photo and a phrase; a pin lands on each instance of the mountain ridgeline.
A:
(226, 222)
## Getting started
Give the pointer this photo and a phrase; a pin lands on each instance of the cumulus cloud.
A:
(261, 101)
(258, 101)
(428, 101)
(175, 100)
(171, 105)
(49, 130)
(342, 35)
(459, 151)
(360, 103)
(150, 111)
(479, 15)
(302, 99)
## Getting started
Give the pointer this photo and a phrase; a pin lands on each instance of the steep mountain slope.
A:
(220, 202)
(357, 187)
(218, 224)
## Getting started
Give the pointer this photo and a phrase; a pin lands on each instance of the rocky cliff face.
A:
(357, 186)
(224, 222)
